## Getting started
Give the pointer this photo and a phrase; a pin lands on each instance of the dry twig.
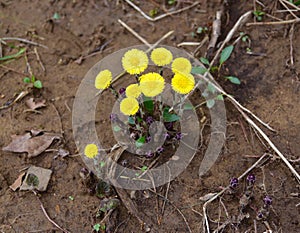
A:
(24, 41)
(160, 16)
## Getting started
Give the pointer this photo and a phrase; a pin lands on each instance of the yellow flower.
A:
(135, 61)
(133, 90)
(161, 56)
(91, 151)
(183, 84)
(181, 65)
(103, 79)
(152, 84)
(129, 106)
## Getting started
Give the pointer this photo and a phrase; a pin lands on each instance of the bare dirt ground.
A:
(268, 68)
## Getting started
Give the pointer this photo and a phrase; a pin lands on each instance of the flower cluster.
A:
(140, 100)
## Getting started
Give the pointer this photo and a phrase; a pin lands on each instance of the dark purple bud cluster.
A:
(122, 91)
(234, 183)
(113, 117)
(267, 200)
(178, 136)
(160, 150)
(251, 179)
(148, 139)
(149, 120)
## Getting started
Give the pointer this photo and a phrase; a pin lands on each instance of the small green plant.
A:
(259, 14)
(32, 180)
(71, 198)
(201, 30)
(153, 12)
(13, 56)
(97, 227)
(171, 2)
(296, 3)
(33, 81)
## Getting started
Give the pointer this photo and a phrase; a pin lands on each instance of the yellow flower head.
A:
(152, 84)
(181, 65)
(161, 56)
(135, 61)
(183, 83)
(133, 90)
(90, 151)
(129, 106)
(103, 80)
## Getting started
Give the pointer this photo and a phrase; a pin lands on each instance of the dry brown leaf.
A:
(18, 182)
(33, 142)
(35, 105)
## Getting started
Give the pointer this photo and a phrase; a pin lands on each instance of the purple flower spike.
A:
(167, 136)
(122, 91)
(148, 139)
(149, 120)
(160, 150)
(234, 182)
(113, 117)
(251, 178)
(268, 200)
(149, 154)
(178, 136)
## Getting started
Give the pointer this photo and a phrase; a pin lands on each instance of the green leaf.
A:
(149, 106)
(56, 16)
(233, 79)
(96, 227)
(169, 117)
(198, 70)
(116, 128)
(211, 88)
(102, 164)
(38, 84)
(21, 51)
(220, 97)
(32, 78)
(225, 54)
(144, 168)
(131, 120)
(139, 119)
(204, 61)
(210, 103)
(188, 107)
(141, 141)
(26, 80)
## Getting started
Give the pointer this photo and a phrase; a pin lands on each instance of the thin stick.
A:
(285, 6)
(175, 207)
(39, 59)
(291, 4)
(50, 220)
(24, 41)
(221, 192)
(274, 23)
(161, 16)
(189, 44)
(291, 35)
(134, 33)
(10, 69)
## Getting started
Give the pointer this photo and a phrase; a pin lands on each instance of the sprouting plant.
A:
(201, 30)
(153, 12)
(296, 2)
(171, 2)
(259, 14)
(33, 81)
(97, 227)
(13, 56)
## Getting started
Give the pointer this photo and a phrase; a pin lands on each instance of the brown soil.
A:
(269, 88)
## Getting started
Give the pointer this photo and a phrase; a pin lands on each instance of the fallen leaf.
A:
(33, 142)
(18, 182)
(207, 197)
(35, 105)
(36, 178)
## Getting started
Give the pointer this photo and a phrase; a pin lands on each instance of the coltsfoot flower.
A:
(135, 61)
(103, 79)
(133, 90)
(161, 56)
(183, 83)
(181, 65)
(91, 151)
(152, 84)
(129, 106)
